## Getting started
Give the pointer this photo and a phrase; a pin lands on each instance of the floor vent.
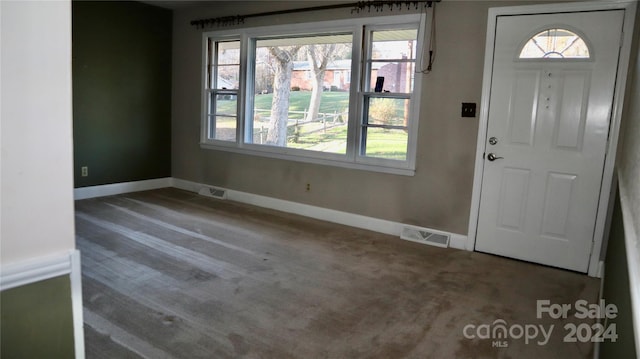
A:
(423, 235)
(213, 192)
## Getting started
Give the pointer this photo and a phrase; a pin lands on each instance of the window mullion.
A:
(244, 116)
(355, 108)
(388, 127)
(364, 83)
(212, 109)
(214, 93)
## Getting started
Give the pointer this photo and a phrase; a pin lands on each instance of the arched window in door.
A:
(555, 44)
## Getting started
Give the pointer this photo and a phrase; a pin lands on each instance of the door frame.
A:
(629, 7)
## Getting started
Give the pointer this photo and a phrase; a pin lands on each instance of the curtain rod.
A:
(357, 7)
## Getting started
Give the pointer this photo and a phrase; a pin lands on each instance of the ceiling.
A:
(176, 4)
(183, 4)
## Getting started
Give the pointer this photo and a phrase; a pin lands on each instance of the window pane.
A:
(225, 62)
(388, 111)
(228, 53)
(225, 128)
(226, 104)
(301, 95)
(386, 143)
(394, 44)
(228, 77)
(328, 134)
(223, 107)
(394, 76)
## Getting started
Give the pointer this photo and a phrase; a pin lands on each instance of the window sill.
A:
(314, 160)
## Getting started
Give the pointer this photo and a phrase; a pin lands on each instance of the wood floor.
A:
(170, 274)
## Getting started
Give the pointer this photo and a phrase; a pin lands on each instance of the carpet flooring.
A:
(170, 274)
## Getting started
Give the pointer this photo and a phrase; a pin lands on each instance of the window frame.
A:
(208, 77)
(213, 91)
(353, 158)
(367, 95)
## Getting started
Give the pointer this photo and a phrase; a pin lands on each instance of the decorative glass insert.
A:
(555, 44)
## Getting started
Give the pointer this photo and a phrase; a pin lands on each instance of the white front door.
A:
(549, 109)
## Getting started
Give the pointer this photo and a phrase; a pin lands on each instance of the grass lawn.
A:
(331, 102)
(391, 144)
(299, 101)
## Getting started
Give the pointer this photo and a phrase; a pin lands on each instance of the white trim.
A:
(458, 241)
(38, 269)
(34, 270)
(596, 345)
(330, 215)
(632, 244)
(621, 78)
(614, 131)
(76, 304)
(120, 188)
(600, 273)
(189, 185)
(277, 153)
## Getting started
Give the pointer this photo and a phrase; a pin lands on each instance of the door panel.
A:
(557, 205)
(572, 114)
(513, 199)
(522, 110)
(550, 120)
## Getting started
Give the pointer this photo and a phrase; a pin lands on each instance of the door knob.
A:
(492, 157)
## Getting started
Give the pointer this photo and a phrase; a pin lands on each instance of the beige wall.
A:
(37, 183)
(438, 196)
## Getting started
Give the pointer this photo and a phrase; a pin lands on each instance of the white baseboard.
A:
(120, 188)
(38, 269)
(457, 241)
(187, 185)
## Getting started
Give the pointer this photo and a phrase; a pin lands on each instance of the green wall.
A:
(616, 291)
(37, 320)
(121, 91)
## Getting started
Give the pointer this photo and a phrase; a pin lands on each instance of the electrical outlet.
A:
(308, 187)
(85, 171)
(468, 109)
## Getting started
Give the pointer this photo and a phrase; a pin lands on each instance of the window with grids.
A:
(223, 83)
(390, 69)
(338, 93)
